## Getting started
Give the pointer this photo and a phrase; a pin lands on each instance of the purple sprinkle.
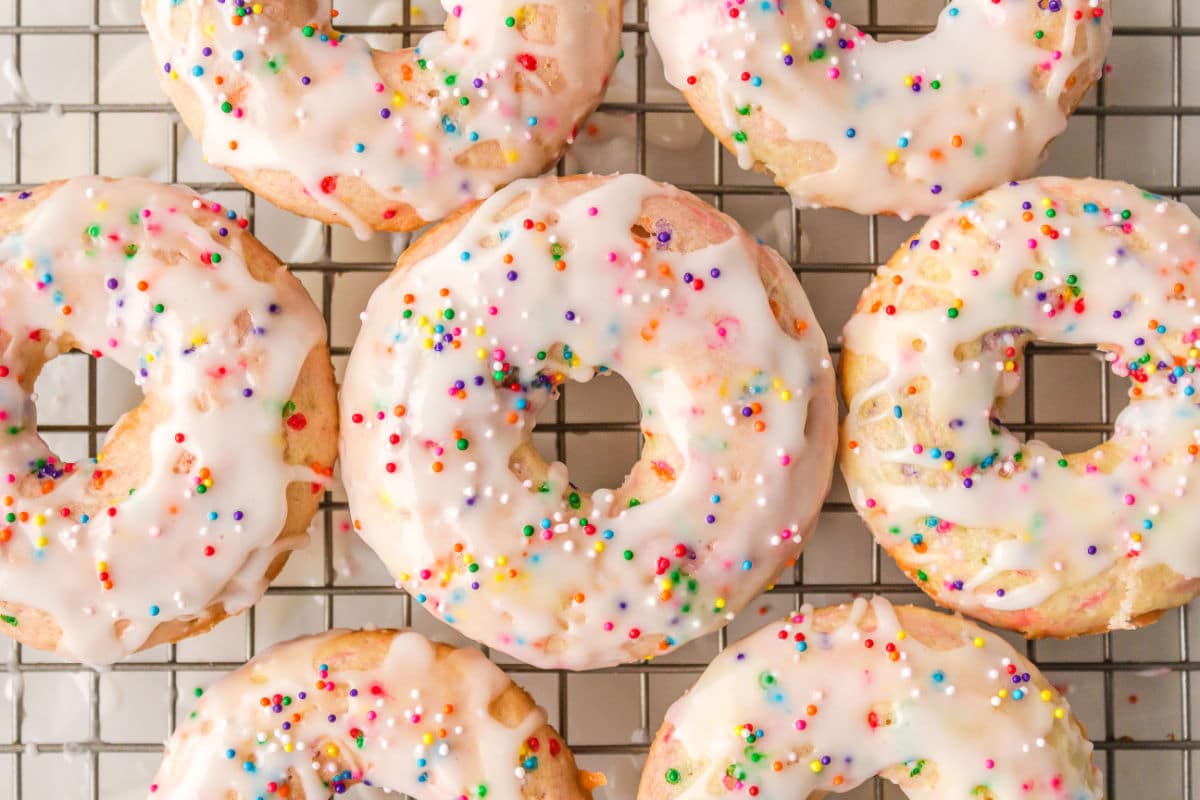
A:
(385, 113)
(112, 283)
(937, 188)
(714, 272)
(688, 277)
(247, 392)
(237, 516)
(570, 316)
(512, 274)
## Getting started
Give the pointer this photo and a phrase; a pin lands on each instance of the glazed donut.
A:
(1017, 533)
(321, 124)
(839, 119)
(825, 700)
(390, 709)
(564, 279)
(174, 525)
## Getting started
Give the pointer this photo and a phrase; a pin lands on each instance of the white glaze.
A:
(312, 130)
(715, 350)
(976, 712)
(398, 709)
(983, 54)
(1140, 506)
(154, 557)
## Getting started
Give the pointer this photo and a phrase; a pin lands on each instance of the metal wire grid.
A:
(326, 269)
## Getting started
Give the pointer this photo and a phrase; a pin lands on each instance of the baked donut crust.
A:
(559, 279)
(40, 607)
(823, 700)
(903, 128)
(1014, 533)
(369, 706)
(303, 126)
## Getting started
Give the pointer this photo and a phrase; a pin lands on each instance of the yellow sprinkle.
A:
(947, 466)
(979, 641)
(1047, 202)
(501, 561)
(1047, 695)
(785, 395)
(102, 205)
(427, 738)
(39, 519)
(816, 765)
(428, 344)
(720, 603)
(511, 156)
(27, 265)
(893, 156)
(481, 354)
(404, 576)
(1059, 713)
(787, 48)
(399, 99)
(901, 635)
(42, 541)
(1137, 537)
(480, 330)
(331, 750)
(599, 547)
(257, 8)
(101, 566)
(1002, 693)
(664, 584)
(288, 747)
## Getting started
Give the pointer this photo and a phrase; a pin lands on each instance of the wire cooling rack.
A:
(70, 732)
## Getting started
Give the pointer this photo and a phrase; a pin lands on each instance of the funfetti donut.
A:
(321, 124)
(316, 716)
(900, 127)
(554, 280)
(196, 496)
(1016, 532)
(825, 700)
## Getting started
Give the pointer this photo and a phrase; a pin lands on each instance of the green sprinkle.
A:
(1072, 280)
(448, 313)
(227, 107)
(474, 567)
(739, 136)
(633, 501)
(1126, 214)
(462, 444)
(93, 231)
(672, 776)
(541, 355)
(8, 620)
(308, 31)
(159, 308)
(216, 258)
(921, 576)
(1051, 213)
(628, 555)
(1039, 34)
(952, 313)
(510, 22)
(573, 500)
(936, 85)
(197, 691)
(1062, 462)
(407, 313)
(1037, 276)
(451, 80)
(527, 530)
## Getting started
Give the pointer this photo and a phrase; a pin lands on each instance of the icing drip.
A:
(797, 709)
(1076, 262)
(154, 278)
(549, 282)
(921, 123)
(311, 711)
(436, 127)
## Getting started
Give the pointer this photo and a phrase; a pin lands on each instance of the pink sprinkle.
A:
(785, 460)
(493, 311)
(1033, 244)
(608, 626)
(612, 257)
(834, 73)
(593, 211)
(457, 11)
(918, 449)
(870, 502)
(801, 724)
(990, 764)
(1129, 499)
(379, 87)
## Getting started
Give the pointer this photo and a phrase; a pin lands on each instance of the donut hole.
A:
(58, 375)
(598, 436)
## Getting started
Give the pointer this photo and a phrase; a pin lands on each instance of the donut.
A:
(824, 700)
(558, 280)
(1017, 533)
(316, 716)
(841, 120)
(175, 524)
(321, 124)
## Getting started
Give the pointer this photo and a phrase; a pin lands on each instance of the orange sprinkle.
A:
(437, 466)
(800, 326)
(400, 410)
(760, 426)
(956, 140)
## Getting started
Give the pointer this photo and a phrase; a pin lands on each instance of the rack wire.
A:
(1106, 667)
